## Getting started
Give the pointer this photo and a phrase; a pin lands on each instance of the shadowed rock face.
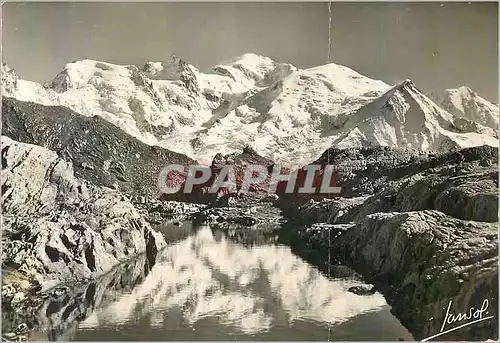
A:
(59, 228)
(428, 259)
(100, 152)
(240, 162)
(421, 261)
(56, 314)
(463, 184)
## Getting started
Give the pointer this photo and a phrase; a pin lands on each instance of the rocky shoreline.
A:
(427, 235)
(54, 315)
(58, 227)
(420, 261)
(59, 231)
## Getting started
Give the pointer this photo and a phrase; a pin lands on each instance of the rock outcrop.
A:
(462, 184)
(158, 211)
(422, 227)
(58, 228)
(286, 114)
(242, 212)
(424, 260)
(55, 315)
(238, 162)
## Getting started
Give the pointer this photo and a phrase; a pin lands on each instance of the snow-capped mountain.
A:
(404, 117)
(463, 102)
(284, 113)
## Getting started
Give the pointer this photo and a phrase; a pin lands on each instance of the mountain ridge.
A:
(287, 114)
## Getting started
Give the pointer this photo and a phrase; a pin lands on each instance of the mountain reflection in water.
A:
(214, 284)
(207, 287)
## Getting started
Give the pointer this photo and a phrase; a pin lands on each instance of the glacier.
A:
(287, 114)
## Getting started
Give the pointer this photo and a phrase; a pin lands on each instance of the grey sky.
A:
(436, 45)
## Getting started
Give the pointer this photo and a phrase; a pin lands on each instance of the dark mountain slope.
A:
(101, 152)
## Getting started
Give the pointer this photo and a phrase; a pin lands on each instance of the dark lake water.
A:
(207, 287)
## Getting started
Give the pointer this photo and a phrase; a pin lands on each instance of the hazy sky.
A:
(436, 45)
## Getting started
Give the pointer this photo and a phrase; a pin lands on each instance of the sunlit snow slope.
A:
(284, 113)
(463, 102)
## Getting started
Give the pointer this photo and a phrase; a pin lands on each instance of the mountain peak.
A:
(252, 58)
(250, 69)
(172, 69)
(5, 68)
(408, 83)
(79, 73)
(8, 70)
(9, 79)
(464, 89)
(464, 102)
(405, 85)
